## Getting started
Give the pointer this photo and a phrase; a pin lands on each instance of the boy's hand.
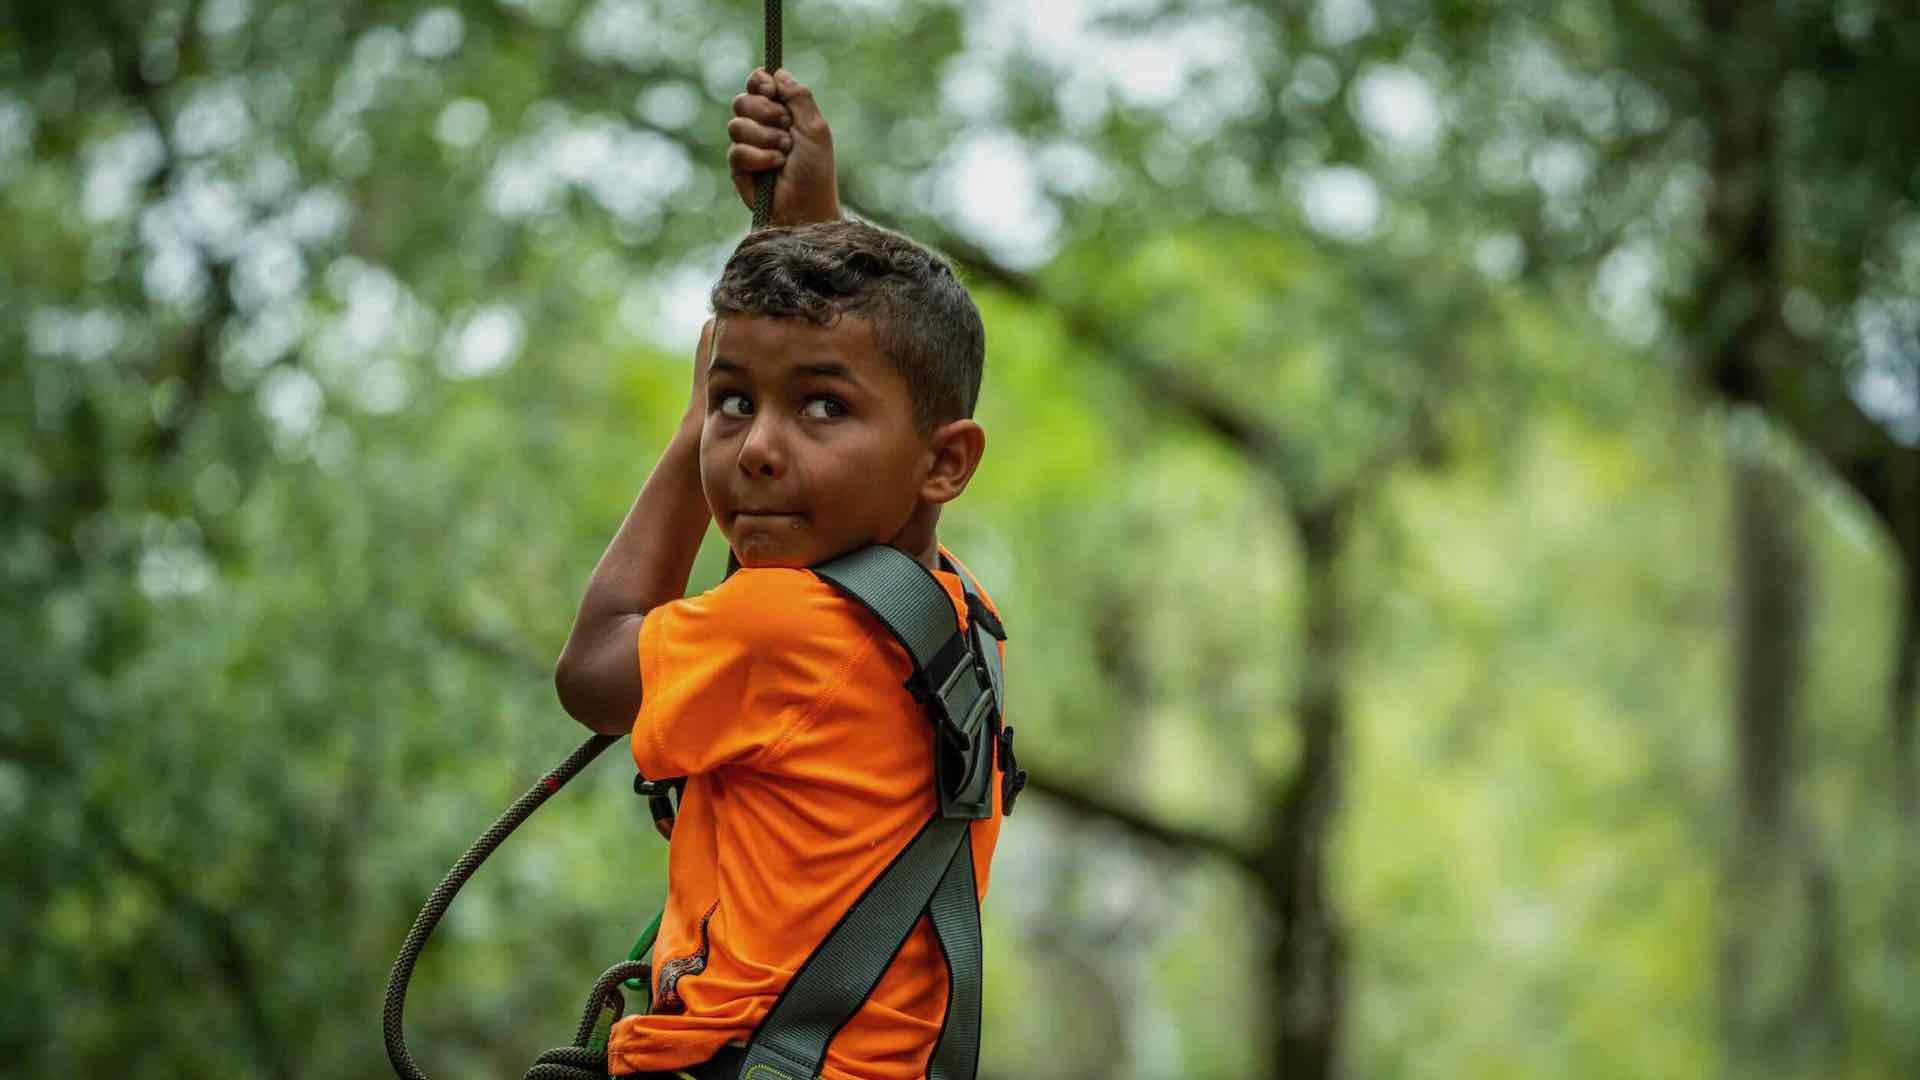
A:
(696, 413)
(777, 125)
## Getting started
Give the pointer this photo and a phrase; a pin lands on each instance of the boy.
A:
(831, 410)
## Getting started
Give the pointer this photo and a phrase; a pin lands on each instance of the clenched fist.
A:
(777, 126)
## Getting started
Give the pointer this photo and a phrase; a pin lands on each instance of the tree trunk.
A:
(1780, 1004)
(1901, 948)
(1780, 991)
(1905, 514)
(1307, 961)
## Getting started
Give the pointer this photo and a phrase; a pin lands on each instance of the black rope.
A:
(503, 826)
(763, 182)
(577, 1062)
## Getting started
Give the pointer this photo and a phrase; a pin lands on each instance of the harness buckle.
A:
(920, 685)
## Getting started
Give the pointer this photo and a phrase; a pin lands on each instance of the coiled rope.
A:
(567, 1062)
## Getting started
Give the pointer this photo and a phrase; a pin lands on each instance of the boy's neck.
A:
(921, 537)
(930, 557)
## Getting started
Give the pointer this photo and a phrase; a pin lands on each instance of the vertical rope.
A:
(763, 183)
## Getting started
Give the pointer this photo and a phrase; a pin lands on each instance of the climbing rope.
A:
(582, 1059)
(502, 827)
(763, 183)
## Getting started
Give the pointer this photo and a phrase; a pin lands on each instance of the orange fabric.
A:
(809, 769)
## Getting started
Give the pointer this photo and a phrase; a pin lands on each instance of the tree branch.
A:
(1069, 797)
(1082, 803)
(1265, 444)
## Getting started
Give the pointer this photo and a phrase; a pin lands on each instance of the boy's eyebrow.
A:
(827, 368)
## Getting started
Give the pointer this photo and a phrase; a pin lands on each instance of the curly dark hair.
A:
(922, 317)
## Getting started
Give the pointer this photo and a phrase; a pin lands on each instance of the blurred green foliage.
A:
(1367, 361)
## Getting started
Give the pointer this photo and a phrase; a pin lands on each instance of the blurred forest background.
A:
(1452, 484)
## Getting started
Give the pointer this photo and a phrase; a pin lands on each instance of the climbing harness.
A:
(957, 680)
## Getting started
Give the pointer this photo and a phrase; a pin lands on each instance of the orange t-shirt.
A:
(809, 767)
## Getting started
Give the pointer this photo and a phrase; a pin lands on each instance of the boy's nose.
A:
(760, 453)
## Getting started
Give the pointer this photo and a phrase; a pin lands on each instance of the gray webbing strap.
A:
(955, 908)
(989, 649)
(830, 987)
(949, 679)
(955, 911)
(899, 591)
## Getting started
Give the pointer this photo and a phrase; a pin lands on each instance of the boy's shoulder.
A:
(766, 602)
(769, 604)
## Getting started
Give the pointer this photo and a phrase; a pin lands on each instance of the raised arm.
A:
(647, 564)
(776, 125)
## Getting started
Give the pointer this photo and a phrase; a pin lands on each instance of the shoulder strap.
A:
(901, 593)
(950, 679)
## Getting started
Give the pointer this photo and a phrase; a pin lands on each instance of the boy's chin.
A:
(761, 553)
(755, 553)
(771, 562)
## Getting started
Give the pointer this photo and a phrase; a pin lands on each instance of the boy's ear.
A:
(955, 447)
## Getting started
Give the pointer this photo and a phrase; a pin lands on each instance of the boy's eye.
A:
(735, 405)
(823, 407)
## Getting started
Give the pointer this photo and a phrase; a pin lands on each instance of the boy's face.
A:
(809, 449)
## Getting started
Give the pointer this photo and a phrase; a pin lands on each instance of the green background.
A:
(1451, 486)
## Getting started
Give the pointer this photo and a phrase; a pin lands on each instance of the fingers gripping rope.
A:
(763, 183)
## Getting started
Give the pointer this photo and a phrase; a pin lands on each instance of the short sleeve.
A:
(724, 675)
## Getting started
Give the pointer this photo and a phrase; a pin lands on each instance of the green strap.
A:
(791, 1043)
(641, 945)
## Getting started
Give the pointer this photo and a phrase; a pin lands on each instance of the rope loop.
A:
(585, 1060)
